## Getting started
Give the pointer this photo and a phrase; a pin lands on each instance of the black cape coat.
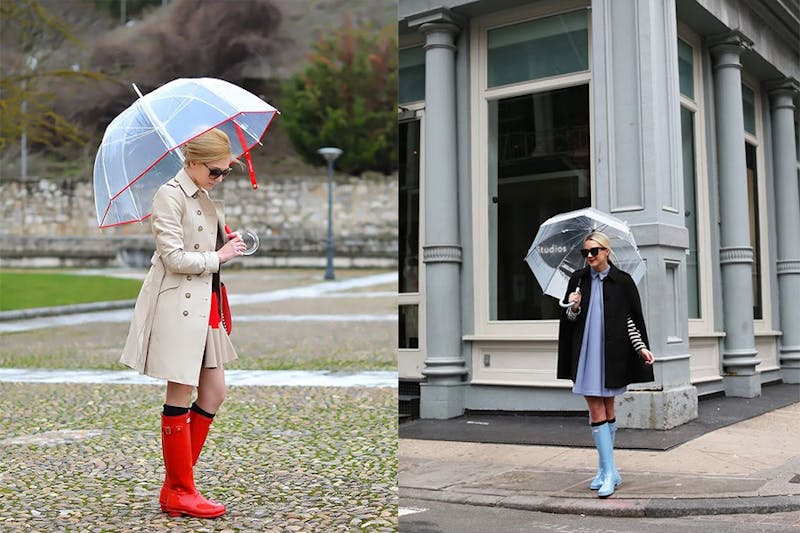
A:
(620, 300)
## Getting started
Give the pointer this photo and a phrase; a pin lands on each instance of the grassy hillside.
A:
(157, 48)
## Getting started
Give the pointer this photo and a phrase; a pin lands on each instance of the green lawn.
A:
(23, 290)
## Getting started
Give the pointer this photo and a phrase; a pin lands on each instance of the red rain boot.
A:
(179, 495)
(198, 428)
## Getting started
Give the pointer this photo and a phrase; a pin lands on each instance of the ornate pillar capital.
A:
(441, 19)
(728, 42)
(782, 92)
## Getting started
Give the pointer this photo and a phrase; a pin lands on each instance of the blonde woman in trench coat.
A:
(176, 332)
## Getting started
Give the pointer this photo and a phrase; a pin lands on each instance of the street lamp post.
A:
(23, 141)
(330, 154)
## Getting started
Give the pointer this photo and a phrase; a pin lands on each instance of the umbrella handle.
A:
(569, 304)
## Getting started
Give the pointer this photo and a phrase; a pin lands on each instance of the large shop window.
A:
(538, 166)
(540, 48)
(409, 206)
(755, 239)
(690, 213)
(408, 260)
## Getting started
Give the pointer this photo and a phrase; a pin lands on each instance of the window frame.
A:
(480, 96)
(408, 358)
(761, 326)
(703, 326)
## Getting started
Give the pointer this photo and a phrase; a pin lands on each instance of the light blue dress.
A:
(591, 376)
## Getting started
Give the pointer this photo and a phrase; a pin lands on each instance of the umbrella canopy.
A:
(556, 251)
(140, 148)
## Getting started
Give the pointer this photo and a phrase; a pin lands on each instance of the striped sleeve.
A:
(635, 336)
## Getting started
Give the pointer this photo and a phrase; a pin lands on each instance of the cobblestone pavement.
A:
(88, 458)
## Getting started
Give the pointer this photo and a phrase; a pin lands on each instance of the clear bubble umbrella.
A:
(556, 251)
(140, 150)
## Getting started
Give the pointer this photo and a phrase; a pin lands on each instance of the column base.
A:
(790, 375)
(442, 401)
(748, 386)
(790, 364)
(661, 409)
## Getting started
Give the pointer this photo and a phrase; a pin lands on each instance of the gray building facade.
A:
(679, 117)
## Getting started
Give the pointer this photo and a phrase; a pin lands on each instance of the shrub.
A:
(346, 97)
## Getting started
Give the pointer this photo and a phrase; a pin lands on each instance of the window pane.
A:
(690, 214)
(411, 74)
(409, 326)
(409, 207)
(538, 48)
(755, 240)
(538, 167)
(685, 69)
(749, 108)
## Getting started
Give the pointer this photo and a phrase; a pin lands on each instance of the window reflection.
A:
(538, 167)
(409, 327)
(409, 206)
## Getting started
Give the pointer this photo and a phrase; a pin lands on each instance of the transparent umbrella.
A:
(556, 251)
(140, 147)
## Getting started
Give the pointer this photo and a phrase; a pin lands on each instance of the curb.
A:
(38, 312)
(633, 508)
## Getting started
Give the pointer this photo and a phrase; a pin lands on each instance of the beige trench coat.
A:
(167, 337)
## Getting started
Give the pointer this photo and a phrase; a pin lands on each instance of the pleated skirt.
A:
(219, 349)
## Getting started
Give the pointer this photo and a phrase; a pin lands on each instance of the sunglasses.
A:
(586, 252)
(217, 172)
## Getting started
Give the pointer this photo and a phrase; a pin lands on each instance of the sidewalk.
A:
(748, 467)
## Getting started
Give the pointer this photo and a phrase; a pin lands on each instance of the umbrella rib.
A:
(161, 130)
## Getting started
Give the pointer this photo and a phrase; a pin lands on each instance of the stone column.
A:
(638, 179)
(787, 207)
(442, 396)
(739, 357)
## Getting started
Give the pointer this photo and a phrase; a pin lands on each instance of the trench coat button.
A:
(199, 212)
(199, 228)
(188, 278)
(196, 246)
(186, 313)
(188, 294)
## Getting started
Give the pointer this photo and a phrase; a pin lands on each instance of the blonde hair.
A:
(599, 236)
(212, 145)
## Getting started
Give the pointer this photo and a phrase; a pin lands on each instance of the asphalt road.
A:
(419, 516)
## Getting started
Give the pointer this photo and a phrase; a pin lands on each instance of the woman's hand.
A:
(575, 299)
(647, 355)
(233, 248)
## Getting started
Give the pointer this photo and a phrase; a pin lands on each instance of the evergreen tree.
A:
(346, 97)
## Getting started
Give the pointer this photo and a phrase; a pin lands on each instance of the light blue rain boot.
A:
(602, 439)
(597, 482)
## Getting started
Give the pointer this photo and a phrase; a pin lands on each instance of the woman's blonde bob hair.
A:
(212, 145)
(599, 237)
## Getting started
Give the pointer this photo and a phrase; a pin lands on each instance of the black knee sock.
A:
(595, 424)
(172, 410)
(198, 409)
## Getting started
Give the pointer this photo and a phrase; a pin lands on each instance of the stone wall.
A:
(51, 222)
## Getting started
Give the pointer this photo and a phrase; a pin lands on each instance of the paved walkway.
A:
(751, 466)
(274, 378)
